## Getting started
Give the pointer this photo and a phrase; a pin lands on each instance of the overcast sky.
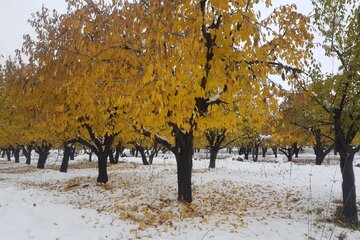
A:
(15, 13)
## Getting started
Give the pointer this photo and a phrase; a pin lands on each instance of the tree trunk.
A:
(111, 156)
(185, 151)
(141, 150)
(27, 153)
(16, 151)
(43, 150)
(154, 152)
(90, 156)
(319, 159)
(66, 158)
(102, 167)
(42, 160)
(8, 154)
(246, 153)
(256, 153)
(264, 150)
(349, 210)
(275, 151)
(296, 150)
(213, 154)
(72, 152)
(119, 150)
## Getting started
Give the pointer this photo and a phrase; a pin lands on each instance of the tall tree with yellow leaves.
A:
(202, 52)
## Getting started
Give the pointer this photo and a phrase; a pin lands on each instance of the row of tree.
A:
(183, 74)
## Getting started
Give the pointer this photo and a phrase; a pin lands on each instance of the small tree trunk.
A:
(42, 160)
(72, 152)
(8, 154)
(141, 150)
(246, 153)
(256, 153)
(296, 150)
(213, 154)
(90, 156)
(16, 152)
(27, 153)
(290, 154)
(264, 150)
(118, 152)
(111, 157)
(66, 158)
(43, 150)
(275, 151)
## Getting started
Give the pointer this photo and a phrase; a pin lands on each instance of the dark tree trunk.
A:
(319, 159)
(296, 150)
(8, 154)
(90, 156)
(349, 210)
(320, 153)
(72, 152)
(102, 167)
(141, 150)
(184, 153)
(16, 152)
(275, 151)
(154, 152)
(264, 151)
(256, 153)
(3, 153)
(27, 149)
(43, 150)
(246, 153)
(111, 157)
(213, 154)
(132, 152)
(288, 152)
(119, 150)
(347, 152)
(66, 158)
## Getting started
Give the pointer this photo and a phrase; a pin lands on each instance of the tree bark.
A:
(43, 150)
(102, 168)
(264, 151)
(66, 158)
(27, 149)
(256, 152)
(184, 154)
(16, 152)
(141, 150)
(349, 210)
(8, 154)
(111, 157)
(72, 152)
(214, 150)
(275, 151)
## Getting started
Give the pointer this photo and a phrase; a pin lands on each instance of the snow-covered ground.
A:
(269, 200)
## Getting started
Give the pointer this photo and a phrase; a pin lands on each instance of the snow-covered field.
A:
(269, 200)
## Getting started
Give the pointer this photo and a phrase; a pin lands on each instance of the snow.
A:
(271, 199)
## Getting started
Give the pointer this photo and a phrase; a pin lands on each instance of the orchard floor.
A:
(269, 200)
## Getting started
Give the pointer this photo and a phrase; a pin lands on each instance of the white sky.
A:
(15, 13)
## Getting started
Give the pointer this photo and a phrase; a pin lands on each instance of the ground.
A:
(271, 199)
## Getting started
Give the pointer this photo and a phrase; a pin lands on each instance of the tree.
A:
(339, 94)
(235, 51)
